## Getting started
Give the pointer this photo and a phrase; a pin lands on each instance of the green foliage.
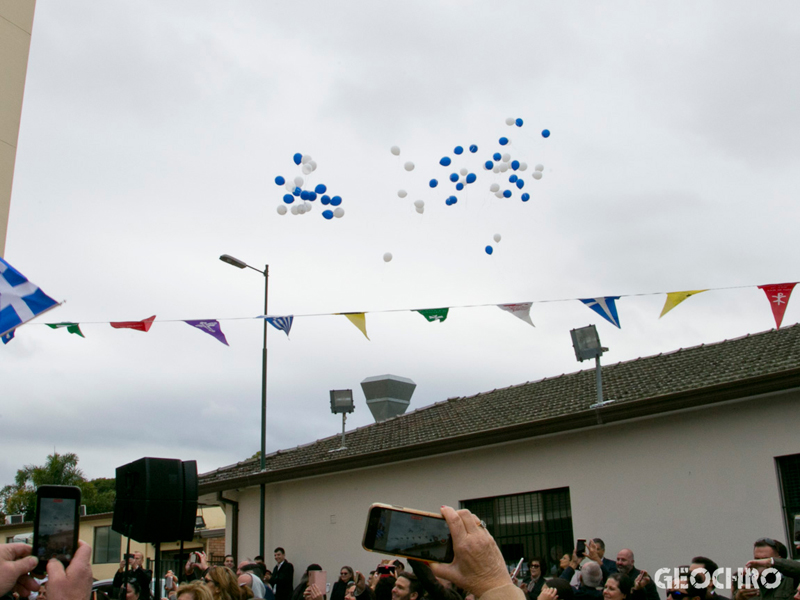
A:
(59, 469)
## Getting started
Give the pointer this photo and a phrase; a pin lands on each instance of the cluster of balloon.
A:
(489, 249)
(295, 191)
(459, 180)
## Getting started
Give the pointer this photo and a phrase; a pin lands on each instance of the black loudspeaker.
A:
(156, 500)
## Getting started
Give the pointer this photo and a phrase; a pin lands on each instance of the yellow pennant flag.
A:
(675, 298)
(359, 320)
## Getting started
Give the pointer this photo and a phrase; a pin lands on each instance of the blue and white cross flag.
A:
(20, 300)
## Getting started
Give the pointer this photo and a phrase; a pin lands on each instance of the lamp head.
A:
(227, 258)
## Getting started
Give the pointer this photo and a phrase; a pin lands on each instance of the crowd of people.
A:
(478, 572)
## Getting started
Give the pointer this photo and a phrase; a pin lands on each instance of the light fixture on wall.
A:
(342, 403)
(586, 343)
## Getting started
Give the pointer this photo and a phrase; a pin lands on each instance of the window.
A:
(107, 545)
(789, 480)
(534, 524)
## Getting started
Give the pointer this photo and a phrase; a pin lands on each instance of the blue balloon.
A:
(321, 188)
(546, 133)
(296, 191)
(453, 199)
(445, 161)
(336, 201)
(473, 148)
(328, 214)
(471, 178)
(325, 199)
(507, 194)
(525, 197)
(520, 183)
(518, 122)
(515, 164)
(448, 202)
(513, 178)
(488, 164)
(288, 198)
(433, 183)
(497, 156)
(458, 150)
(280, 180)
(298, 158)
(312, 196)
(453, 177)
(459, 186)
(503, 141)
(304, 195)
(489, 250)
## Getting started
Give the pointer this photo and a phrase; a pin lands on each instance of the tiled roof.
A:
(653, 380)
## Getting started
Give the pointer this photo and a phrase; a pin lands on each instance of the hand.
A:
(548, 593)
(122, 565)
(361, 582)
(591, 551)
(74, 583)
(641, 580)
(478, 565)
(759, 564)
(201, 560)
(745, 593)
(312, 592)
(15, 563)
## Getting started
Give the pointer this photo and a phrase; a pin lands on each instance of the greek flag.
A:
(282, 323)
(20, 300)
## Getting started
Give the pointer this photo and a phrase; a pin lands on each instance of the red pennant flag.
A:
(144, 325)
(778, 296)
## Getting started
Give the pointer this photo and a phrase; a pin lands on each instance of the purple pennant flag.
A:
(211, 327)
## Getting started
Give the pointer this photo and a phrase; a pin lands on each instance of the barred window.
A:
(107, 543)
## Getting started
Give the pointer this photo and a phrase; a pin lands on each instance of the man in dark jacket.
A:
(135, 572)
(626, 566)
(282, 580)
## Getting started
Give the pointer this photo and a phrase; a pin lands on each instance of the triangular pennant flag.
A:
(521, 310)
(434, 314)
(71, 328)
(359, 320)
(143, 325)
(778, 296)
(605, 307)
(281, 323)
(8, 337)
(211, 327)
(20, 300)
(675, 298)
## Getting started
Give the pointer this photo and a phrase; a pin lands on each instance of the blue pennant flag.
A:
(8, 337)
(605, 307)
(282, 323)
(20, 300)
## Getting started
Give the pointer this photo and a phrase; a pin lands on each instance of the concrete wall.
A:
(16, 22)
(699, 482)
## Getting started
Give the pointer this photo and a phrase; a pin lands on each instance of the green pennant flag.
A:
(71, 327)
(434, 314)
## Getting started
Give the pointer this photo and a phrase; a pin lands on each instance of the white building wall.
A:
(670, 487)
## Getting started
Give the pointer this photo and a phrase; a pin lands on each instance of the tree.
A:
(59, 469)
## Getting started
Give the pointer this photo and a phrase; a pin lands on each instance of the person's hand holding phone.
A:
(74, 582)
(15, 564)
(201, 561)
(312, 592)
(642, 579)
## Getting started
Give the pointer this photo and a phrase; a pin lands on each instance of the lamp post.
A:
(587, 345)
(240, 264)
(342, 403)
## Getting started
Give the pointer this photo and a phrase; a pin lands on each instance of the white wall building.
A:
(699, 453)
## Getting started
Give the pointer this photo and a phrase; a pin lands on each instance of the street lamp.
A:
(240, 264)
(342, 402)
(587, 345)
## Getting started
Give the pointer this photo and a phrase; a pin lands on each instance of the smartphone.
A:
(519, 564)
(318, 578)
(55, 528)
(408, 533)
(580, 549)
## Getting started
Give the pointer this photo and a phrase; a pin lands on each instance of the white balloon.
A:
(420, 209)
(497, 237)
(496, 169)
(298, 181)
(510, 121)
(464, 171)
(339, 212)
(301, 210)
(504, 167)
(506, 157)
(307, 169)
(499, 194)
(282, 209)
(290, 186)
(396, 150)
(419, 203)
(523, 166)
(402, 193)
(305, 160)
(494, 187)
(294, 209)
(537, 174)
(539, 167)
(409, 166)
(307, 206)
(313, 165)
(387, 257)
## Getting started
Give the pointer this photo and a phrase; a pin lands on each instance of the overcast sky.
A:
(152, 132)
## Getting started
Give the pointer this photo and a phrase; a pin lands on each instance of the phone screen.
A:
(580, 549)
(393, 531)
(56, 529)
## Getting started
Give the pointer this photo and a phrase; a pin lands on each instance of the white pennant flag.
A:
(520, 310)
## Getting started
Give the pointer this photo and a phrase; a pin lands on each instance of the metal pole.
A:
(264, 414)
(599, 379)
(344, 418)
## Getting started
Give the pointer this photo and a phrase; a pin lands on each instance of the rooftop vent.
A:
(387, 395)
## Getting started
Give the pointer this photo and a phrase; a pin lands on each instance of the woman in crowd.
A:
(340, 587)
(222, 583)
(299, 592)
(194, 591)
(618, 587)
